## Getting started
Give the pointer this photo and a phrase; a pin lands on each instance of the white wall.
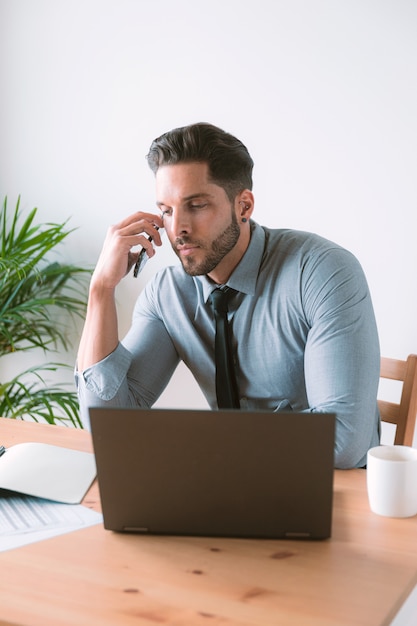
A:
(323, 92)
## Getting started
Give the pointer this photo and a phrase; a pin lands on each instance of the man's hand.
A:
(117, 257)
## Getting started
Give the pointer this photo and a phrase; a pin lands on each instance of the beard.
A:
(219, 247)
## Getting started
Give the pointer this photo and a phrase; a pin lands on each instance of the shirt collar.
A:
(245, 274)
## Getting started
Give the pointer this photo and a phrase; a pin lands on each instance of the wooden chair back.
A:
(402, 414)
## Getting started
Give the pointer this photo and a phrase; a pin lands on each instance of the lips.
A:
(186, 248)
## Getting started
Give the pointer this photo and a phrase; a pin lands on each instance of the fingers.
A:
(137, 229)
(139, 223)
(117, 256)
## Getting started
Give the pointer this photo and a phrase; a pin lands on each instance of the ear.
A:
(244, 204)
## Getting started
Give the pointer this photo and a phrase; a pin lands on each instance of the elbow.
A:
(351, 453)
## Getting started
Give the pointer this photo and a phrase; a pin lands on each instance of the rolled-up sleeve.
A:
(101, 383)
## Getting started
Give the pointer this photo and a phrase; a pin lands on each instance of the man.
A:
(304, 333)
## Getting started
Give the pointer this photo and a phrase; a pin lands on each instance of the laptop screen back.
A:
(215, 473)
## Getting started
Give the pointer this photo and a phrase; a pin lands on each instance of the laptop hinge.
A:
(135, 529)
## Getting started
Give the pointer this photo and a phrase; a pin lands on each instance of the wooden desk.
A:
(92, 576)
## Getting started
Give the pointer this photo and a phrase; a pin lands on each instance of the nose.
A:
(179, 223)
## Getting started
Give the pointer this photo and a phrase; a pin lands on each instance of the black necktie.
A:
(226, 387)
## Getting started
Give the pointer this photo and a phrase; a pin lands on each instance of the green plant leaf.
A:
(40, 299)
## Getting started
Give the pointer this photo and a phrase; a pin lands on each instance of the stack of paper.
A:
(41, 487)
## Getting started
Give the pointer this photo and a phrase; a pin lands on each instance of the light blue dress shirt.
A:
(304, 333)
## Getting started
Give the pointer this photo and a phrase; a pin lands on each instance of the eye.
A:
(198, 206)
(166, 213)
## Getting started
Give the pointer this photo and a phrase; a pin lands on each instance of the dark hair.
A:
(230, 164)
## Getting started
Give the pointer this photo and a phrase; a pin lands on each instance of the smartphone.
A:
(143, 257)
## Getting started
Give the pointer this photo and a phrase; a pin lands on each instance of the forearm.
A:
(100, 334)
(349, 391)
(136, 371)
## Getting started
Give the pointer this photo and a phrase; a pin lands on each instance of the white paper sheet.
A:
(27, 519)
(46, 471)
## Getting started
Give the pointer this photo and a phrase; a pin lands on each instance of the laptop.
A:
(225, 473)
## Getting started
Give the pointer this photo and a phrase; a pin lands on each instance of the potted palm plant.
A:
(40, 299)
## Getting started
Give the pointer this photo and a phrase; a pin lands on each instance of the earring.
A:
(246, 207)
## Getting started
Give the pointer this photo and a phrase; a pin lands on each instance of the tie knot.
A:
(219, 298)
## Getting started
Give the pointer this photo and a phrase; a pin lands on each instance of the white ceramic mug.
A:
(392, 480)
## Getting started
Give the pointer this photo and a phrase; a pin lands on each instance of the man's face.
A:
(200, 221)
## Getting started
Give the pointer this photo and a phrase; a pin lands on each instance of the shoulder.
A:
(292, 240)
(305, 248)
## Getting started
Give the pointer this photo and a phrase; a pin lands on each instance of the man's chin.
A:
(195, 269)
(191, 270)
